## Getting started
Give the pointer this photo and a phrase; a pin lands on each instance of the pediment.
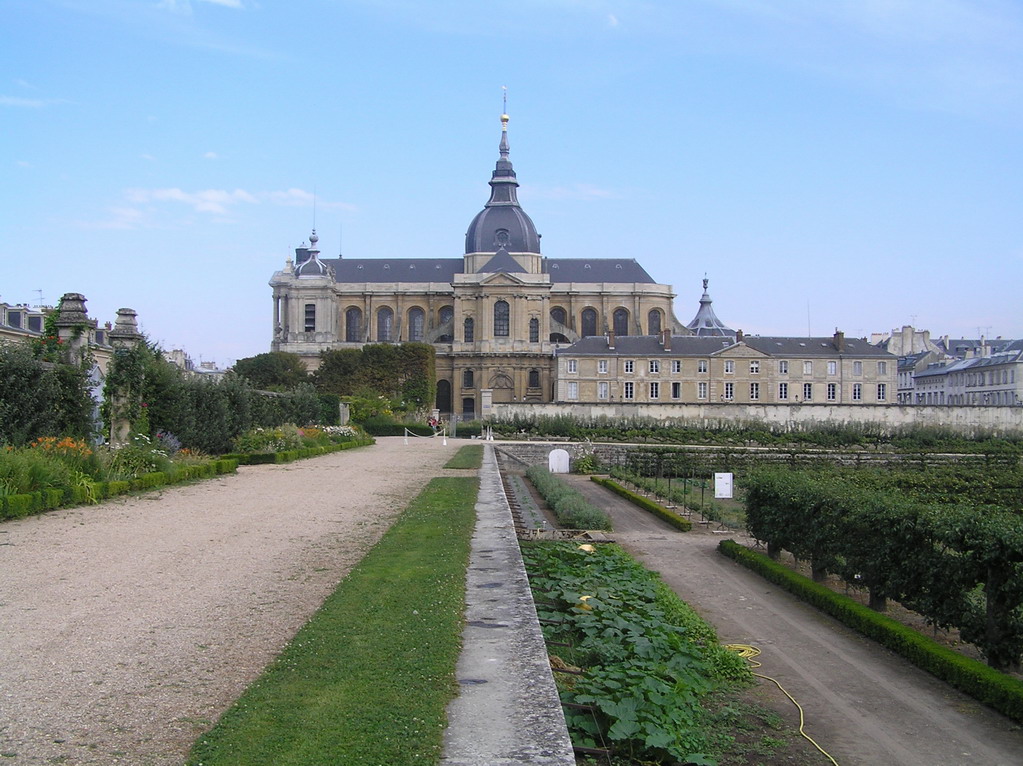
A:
(502, 278)
(741, 351)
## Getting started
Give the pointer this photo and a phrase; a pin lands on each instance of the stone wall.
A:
(966, 420)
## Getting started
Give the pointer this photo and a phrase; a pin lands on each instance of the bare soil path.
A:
(127, 628)
(863, 704)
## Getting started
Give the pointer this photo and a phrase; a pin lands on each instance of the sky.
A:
(850, 164)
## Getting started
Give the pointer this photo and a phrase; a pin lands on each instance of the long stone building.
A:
(496, 315)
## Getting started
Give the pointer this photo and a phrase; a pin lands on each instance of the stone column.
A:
(73, 328)
(125, 335)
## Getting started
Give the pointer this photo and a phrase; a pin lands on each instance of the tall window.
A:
(882, 390)
(534, 378)
(416, 321)
(385, 324)
(353, 325)
(729, 391)
(701, 390)
(783, 367)
(589, 322)
(676, 365)
(832, 392)
(468, 330)
(558, 315)
(808, 368)
(447, 314)
(701, 366)
(783, 391)
(754, 392)
(602, 366)
(573, 365)
(602, 389)
(857, 368)
(807, 392)
(653, 321)
(655, 390)
(832, 367)
(729, 366)
(501, 319)
(621, 322)
(573, 390)
(468, 379)
(629, 390)
(676, 390)
(310, 317)
(629, 366)
(754, 367)
(534, 330)
(882, 368)
(655, 366)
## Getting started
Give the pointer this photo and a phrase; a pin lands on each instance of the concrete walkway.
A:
(507, 711)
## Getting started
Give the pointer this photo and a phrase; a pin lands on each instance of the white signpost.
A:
(722, 485)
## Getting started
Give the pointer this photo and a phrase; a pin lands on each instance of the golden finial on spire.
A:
(504, 109)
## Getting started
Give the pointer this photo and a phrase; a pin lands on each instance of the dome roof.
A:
(706, 321)
(502, 223)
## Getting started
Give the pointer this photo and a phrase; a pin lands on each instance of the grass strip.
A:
(367, 680)
(468, 457)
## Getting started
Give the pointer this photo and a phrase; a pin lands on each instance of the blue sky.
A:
(852, 163)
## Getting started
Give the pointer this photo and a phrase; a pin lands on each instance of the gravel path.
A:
(127, 628)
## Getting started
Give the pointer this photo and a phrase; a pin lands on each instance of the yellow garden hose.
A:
(748, 652)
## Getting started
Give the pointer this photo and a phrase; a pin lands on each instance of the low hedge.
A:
(397, 429)
(571, 508)
(677, 521)
(997, 690)
(18, 506)
(291, 455)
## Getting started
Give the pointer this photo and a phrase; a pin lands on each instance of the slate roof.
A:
(693, 345)
(596, 270)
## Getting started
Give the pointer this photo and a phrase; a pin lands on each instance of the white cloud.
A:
(143, 205)
(32, 103)
(612, 20)
(211, 156)
(147, 157)
(226, 3)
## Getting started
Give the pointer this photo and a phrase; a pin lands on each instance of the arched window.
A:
(444, 395)
(468, 379)
(353, 325)
(502, 317)
(447, 314)
(416, 320)
(385, 325)
(558, 315)
(621, 322)
(653, 322)
(589, 322)
(534, 378)
(534, 330)
(468, 330)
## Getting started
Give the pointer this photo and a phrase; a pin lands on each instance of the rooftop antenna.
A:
(504, 99)
(40, 292)
(912, 318)
(314, 207)
(808, 333)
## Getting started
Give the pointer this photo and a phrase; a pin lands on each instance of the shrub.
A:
(679, 522)
(570, 508)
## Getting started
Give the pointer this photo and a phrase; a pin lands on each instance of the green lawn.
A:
(368, 678)
(470, 456)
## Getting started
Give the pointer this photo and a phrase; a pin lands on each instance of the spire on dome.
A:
(502, 222)
(705, 322)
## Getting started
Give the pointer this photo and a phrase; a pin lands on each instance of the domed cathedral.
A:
(495, 316)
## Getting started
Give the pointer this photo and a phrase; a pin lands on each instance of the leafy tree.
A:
(274, 371)
(404, 373)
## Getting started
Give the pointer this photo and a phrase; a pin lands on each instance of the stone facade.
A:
(495, 316)
(727, 370)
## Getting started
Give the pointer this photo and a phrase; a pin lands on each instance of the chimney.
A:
(840, 341)
(738, 336)
(611, 339)
(666, 339)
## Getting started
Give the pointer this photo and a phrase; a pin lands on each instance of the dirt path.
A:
(128, 627)
(863, 704)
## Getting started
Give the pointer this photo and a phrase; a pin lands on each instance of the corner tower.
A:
(502, 237)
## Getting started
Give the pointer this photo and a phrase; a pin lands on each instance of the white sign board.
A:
(722, 485)
(558, 461)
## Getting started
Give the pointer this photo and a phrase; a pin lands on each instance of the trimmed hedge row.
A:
(679, 522)
(291, 455)
(570, 507)
(1001, 692)
(19, 506)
